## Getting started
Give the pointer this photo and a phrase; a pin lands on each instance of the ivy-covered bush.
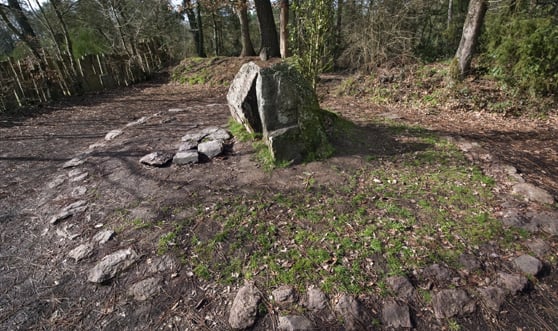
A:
(523, 53)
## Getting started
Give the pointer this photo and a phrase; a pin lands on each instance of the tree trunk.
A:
(194, 19)
(25, 31)
(268, 31)
(339, 28)
(450, 12)
(67, 40)
(242, 12)
(284, 30)
(469, 38)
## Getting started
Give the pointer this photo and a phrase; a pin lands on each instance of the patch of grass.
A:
(165, 242)
(393, 215)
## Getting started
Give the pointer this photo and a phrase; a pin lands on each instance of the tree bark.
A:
(470, 35)
(450, 12)
(268, 31)
(284, 29)
(242, 12)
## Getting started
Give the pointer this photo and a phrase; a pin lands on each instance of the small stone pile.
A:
(195, 147)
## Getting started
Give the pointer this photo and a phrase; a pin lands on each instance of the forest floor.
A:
(398, 197)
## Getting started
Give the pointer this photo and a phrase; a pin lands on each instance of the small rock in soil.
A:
(56, 182)
(193, 137)
(493, 297)
(76, 161)
(538, 246)
(513, 218)
(437, 272)
(113, 134)
(145, 289)
(512, 283)
(156, 159)
(470, 263)
(528, 264)
(401, 286)
(78, 191)
(111, 265)
(187, 157)
(547, 222)
(532, 193)
(137, 122)
(452, 302)
(68, 211)
(60, 217)
(284, 295)
(81, 252)
(187, 146)
(103, 237)
(349, 308)
(316, 299)
(211, 148)
(162, 264)
(395, 315)
(294, 323)
(79, 177)
(245, 307)
(219, 134)
(176, 110)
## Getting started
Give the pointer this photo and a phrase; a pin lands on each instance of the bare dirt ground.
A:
(42, 288)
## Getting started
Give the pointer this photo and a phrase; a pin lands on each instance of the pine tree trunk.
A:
(268, 31)
(242, 12)
(284, 30)
(470, 36)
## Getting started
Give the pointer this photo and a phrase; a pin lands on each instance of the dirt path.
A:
(43, 288)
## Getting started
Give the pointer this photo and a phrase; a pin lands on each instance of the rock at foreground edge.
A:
(242, 98)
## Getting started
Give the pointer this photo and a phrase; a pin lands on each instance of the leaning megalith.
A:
(279, 103)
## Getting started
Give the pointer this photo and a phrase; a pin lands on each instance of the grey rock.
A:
(195, 137)
(538, 246)
(111, 265)
(113, 134)
(452, 302)
(528, 264)
(176, 110)
(187, 157)
(81, 252)
(62, 215)
(219, 134)
(294, 323)
(493, 297)
(245, 307)
(78, 191)
(56, 182)
(242, 98)
(284, 294)
(547, 222)
(188, 146)
(68, 211)
(512, 283)
(316, 299)
(401, 286)
(163, 263)
(285, 145)
(102, 237)
(395, 315)
(79, 176)
(437, 272)
(145, 289)
(211, 149)
(513, 218)
(76, 161)
(470, 263)
(349, 308)
(532, 193)
(156, 159)
(139, 121)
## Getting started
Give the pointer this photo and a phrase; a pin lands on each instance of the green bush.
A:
(523, 53)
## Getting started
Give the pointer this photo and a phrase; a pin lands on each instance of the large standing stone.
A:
(111, 265)
(242, 98)
(278, 102)
(245, 307)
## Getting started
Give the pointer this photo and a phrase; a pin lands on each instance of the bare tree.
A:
(23, 30)
(470, 36)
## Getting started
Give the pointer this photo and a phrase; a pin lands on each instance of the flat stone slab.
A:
(103, 237)
(245, 307)
(76, 161)
(156, 159)
(113, 134)
(452, 302)
(186, 157)
(111, 265)
(211, 149)
(81, 252)
(68, 211)
(395, 315)
(294, 323)
(145, 289)
(532, 193)
(528, 264)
